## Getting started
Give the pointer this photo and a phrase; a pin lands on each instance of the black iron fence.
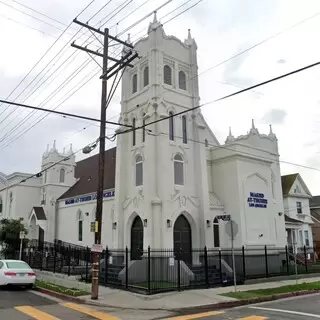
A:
(156, 271)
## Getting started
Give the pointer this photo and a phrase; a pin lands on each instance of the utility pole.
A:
(107, 73)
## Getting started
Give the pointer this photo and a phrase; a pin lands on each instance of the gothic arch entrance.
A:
(182, 240)
(136, 239)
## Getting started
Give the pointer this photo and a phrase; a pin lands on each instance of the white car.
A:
(16, 272)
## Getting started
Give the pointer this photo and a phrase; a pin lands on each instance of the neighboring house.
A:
(315, 214)
(298, 221)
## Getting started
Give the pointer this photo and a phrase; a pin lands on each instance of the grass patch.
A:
(61, 289)
(272, 291)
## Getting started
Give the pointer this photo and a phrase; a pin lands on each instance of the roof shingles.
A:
(86, 172)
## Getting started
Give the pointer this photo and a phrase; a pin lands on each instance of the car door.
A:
(1, 273)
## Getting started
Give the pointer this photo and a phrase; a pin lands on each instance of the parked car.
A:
(16, 272)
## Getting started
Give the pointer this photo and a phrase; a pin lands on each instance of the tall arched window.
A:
(184, 129)
(146, 76)
(171, 126)
(133, 132)
(273, 185)
(134, 83)
(182, 80)
(206, 142)
(80, 225)
(1, 205)
(62, 175)
(143, 129)
(167, 75)
(139, 171)
(216, 233)
(178, 170)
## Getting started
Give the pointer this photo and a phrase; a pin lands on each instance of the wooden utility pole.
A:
(107, 73)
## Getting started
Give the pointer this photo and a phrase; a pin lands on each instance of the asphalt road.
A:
(17, 304)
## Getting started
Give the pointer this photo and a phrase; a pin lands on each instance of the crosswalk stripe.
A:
(89, 311)
(197, 315)
(253, 318)
(35, 313)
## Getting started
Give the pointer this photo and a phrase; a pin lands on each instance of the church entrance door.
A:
(137, 239)
(182, 241)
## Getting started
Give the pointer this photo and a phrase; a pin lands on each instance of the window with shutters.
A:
(178, 170)
(171, 126)
(134, 83)
(133, 132)
(184, 129)
(182, 80)
(146, 76)
(139, 171)
(167, 75)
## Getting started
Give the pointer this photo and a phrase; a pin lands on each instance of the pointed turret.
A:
(154, 24)
(271, 135)
(253, 129)
(230, 137)
(126, 49)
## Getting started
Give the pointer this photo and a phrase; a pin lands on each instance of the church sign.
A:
(257, 200)
(108, 194)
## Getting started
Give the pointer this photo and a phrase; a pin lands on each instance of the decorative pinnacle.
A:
(155, 17)
(252, 126)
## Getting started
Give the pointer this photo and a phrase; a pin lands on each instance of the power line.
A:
(60, 113)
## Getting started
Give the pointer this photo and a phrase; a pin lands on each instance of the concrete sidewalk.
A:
(178, 300)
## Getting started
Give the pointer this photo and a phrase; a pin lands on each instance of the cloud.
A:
(274, 116)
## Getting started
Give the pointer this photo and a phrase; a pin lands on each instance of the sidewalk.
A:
(178, 300)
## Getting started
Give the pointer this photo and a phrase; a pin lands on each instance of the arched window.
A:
(143, 129)
(139, 171)
(171, 126)
(273, 186)
(45, 176)
(146, 76)
(1, 205)
(182, 80)
(62, 175)
(80, 225)
(216, 233)
(133, 132)
(167, 75)
(134, 83)
(206, 142)
(178, 170)
(184, 129)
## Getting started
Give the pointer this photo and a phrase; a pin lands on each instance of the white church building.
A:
(165, 186)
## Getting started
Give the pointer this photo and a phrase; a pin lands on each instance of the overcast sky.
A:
(221, 28)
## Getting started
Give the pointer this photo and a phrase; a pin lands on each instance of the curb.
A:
(239, 303)
(187, 310)
(59, 295)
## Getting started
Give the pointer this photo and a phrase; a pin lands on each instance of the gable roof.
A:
(287, 181)
(39, 212)
(315, 202)
(86, 171)
(291, 220)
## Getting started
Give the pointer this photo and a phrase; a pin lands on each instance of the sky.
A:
(283, 35)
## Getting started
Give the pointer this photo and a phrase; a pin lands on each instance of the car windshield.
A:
(17, 265)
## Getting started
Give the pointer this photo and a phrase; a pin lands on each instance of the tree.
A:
(10, 236)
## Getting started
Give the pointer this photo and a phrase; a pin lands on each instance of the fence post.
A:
(243, 263)
(305, 258)
(220, 266)
(69, 260)
(266, 260)
(54, 257)
(149, 270)
(106, 266)
(87, 263)
(179, 276)
(29, 256)
(41, 266)
(206, 266)
(287, 260)
(127, 261)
